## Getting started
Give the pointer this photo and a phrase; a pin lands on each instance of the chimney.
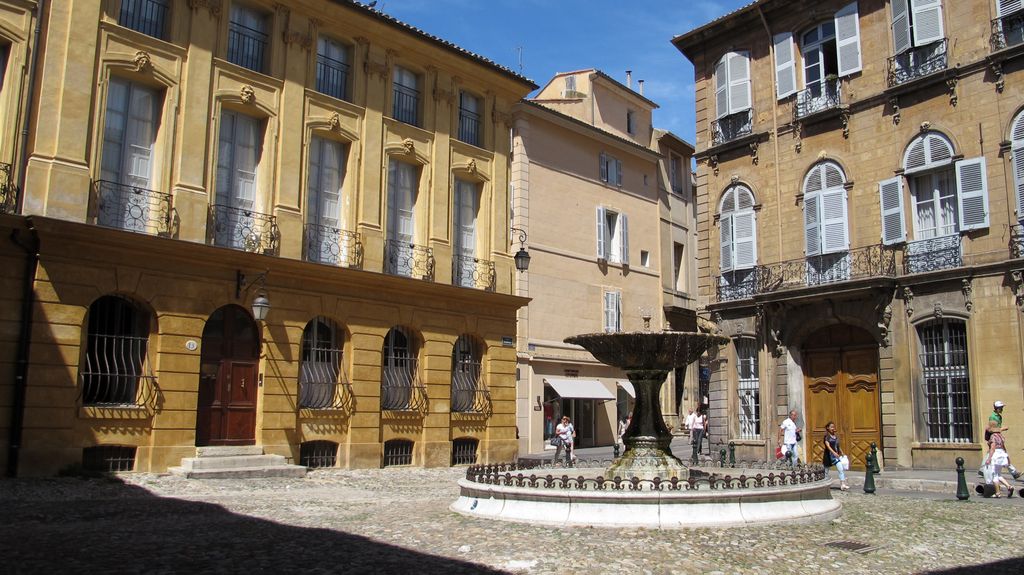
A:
(629, 79)
(640, 86)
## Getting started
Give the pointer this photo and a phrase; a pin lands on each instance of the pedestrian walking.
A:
(623, 426)
(566, 434)
(697, 428)
(834, 455)
(688, 423)
(995, 424)
(789, 436)
(996, 460)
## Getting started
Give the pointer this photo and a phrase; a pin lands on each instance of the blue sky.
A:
(562, 35)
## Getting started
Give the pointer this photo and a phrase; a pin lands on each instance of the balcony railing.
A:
(332, 77)
(247, 46)
(471, 401)
(822, 96)
(8, 191)
(406, 104)
(870, 261)
(473, 273)
(732, 127)
(409, 260)
(1007, 31)
(132, 208)
(333, 246)
(933, 254)
(146, 16)
(243, 229)
(1017, 241)
(741, 284)
(401, 389)
(917, 62)
(469, 127)
(322, 381)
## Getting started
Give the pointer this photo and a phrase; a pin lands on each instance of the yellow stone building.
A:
(860, 193)
(175, 168)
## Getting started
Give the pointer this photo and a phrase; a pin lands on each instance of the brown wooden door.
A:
(228, 382)
(842, 386)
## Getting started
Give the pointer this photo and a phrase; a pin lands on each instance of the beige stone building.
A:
(859, 195)
(597, 205)
(189, 164)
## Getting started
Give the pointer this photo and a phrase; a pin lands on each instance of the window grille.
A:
(748, 387)
(406, 103)
(467, 392)
(332, 69)
(146, 16)
(247, 38)
(314, 454)
(115, 368)
(322, 380)
(108, 458)
(401, 389)
(397, 452)
(469, 119)
(945, 381)
(464, 451)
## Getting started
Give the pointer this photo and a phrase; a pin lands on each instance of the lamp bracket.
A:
(243, 284)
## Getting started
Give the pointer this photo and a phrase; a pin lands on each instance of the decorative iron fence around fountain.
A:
(1017, 241)
(1007, 31)
(333, 246)
(243, 229)
(473, 273)
(933, 254)
(132, 208)
(8, 191)
(510, 475)
(917, 62)
(824, 95)
(409, 260)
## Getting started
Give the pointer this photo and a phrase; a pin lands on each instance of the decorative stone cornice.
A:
(214, 6)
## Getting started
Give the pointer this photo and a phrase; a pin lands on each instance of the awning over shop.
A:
(579, 388)
(628, 387)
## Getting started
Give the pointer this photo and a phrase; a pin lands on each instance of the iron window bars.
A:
(316, 454)
(401, 388)
(409, 260)
(244, 229)
(331, 76)
(945, 381)
(464, 451)
(108, 458)
(247, 46)
(333, 246)
(917, 62)
(406, 105)
(8, 191)
(748, 387)
(469, 119)
(116, 371)
(469, 393)
(146, 16)
(323, 383)
(132, 208)
(397, 452)
(472, 272)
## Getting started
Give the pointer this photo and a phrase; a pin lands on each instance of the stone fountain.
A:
(648, 486)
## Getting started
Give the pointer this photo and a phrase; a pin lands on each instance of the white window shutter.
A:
(744, 240)
(927, 18)
(618, 311)
(624, 238)
(890, 194)
(602, 233)
(900, 26)
(739, 82)
(848, 39)
(1018, 177)
(812, 224)
(835, 231)
(603, 161)
(618, 172)
(722, 87)
(1004, 7)
(972, 188)
(725, 244)
(785, 65)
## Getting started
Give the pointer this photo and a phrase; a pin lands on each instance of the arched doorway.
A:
(841, 385)
(228, 379)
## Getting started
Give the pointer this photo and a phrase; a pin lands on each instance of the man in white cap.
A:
(995, 424)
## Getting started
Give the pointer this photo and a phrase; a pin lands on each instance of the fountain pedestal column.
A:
(647, 440)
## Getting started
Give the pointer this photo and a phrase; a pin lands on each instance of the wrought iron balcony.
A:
(8, 191)
(1017, 241)
(469, 127)
(146, 16)
(333, 246)
(866, 262)
(409, 260)
(132, 208)
(1007, 31)
(243, 229)
(825, 95)
(917, 62)
(933, 254)
(247, 46)
(332, 77)
(736, 285)
(406, 106)
(732, 127)
(473, 273)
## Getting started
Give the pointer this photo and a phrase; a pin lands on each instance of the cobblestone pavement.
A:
(397, 521)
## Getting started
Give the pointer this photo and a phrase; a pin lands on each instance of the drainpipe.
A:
(22, 159)
(24, 340)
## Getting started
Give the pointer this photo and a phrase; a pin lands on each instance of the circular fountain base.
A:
(647, 462)
(743, 497)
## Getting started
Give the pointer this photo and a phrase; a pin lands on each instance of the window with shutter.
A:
(847, 22)
(738, 230)
(623, 222)
(1010, 24)
(972, 188)
(612, 311)
(1017, 152)
(602, 235)
(826, 228)
(919, 40)
(732, 83)
(785, 66)
(890, 194)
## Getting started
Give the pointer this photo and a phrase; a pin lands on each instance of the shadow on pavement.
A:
(111, 527)
(1013, 566)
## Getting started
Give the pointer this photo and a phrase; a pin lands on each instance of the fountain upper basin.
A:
(641, 350)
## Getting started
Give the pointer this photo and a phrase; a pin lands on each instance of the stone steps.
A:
(235, 462)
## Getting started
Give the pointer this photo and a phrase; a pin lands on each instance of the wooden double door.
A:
(229, 379)
(841, 386)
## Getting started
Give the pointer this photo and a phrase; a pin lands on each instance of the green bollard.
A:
(874, 458)
(869, 476)
(961, 482)
(722, 454)
(732, 454)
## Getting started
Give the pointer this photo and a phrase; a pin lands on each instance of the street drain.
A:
(855, 546)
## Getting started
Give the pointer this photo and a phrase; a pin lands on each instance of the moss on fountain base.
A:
(647, 459)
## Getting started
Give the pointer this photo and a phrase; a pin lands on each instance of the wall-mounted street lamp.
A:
(522, 257)
(260, 304)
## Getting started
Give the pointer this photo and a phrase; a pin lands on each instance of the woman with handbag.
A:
(834, 455)
(566, 434)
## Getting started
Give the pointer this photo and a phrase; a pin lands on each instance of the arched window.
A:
(737, 242)
(468, 393)
(322, 375)
(945, 384)
(115, 369)
(748, 387)
(825, 224)
(400, 385)
(948, 196)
